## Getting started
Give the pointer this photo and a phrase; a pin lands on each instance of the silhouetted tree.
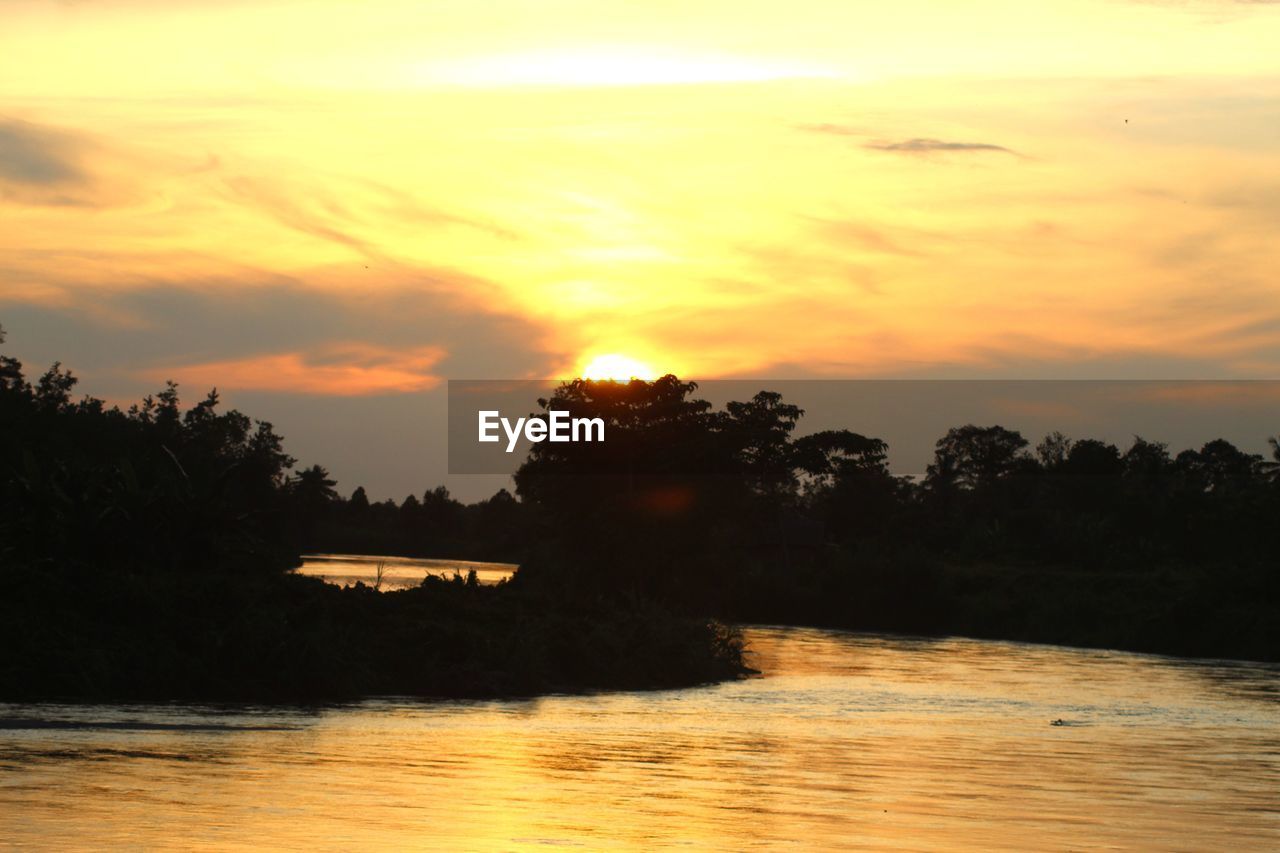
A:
(973, 457)
(726, 511)
(758, 433)
(1052, 451)
(1272, 467)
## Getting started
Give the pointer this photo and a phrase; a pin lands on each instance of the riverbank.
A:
(1195, 612)
(84, 636)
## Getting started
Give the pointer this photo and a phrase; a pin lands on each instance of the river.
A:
(846, 740)
(391, 573)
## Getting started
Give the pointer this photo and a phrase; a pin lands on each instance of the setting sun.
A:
(618, 368)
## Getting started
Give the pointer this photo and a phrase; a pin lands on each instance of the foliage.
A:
(91, 486)
(729, 512)
(144, 555)
(221, 637)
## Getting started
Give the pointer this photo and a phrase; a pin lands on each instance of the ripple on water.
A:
(846, 740)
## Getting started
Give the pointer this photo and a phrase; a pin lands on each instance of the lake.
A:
(846, 740)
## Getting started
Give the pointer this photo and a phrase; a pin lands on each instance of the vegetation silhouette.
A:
(145, 554)
(1077, 541)
(730, 514)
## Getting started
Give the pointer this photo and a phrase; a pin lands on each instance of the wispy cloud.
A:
(44, 165)
(937, 146)
(351, 218)
(352, 340)
(304, 218)
(49, 165)
(870, 238)
(31, 154)
(915, 145)
(339, 369)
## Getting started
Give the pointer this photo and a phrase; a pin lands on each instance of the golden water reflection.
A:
(846, 741)
(397, 572)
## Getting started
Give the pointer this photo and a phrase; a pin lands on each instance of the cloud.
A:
(936, 146)
(819, 271)
(353, 339)
(43, 165)
(31, 154)
(360, 205)
(339, 369)
(349, 375)
(915, 145)
(46, 166)
(291, 213)
(869, 238)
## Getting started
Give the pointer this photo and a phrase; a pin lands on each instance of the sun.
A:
(617, 368)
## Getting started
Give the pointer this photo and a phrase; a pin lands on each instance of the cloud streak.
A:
(45, 165)
(40, 156)
(41, 165)
(916, 145)
(346, 370)
(346, 341)
(922, 145)
(360, 207)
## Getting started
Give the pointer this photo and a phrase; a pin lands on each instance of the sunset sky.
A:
(326, 208)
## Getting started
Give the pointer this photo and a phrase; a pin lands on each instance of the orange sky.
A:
(342, 199)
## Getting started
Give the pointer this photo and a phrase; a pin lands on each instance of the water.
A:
(846, 741)
(397, 572)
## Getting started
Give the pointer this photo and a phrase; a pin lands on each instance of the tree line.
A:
(733, 512)
(145, 554)
(728, 513)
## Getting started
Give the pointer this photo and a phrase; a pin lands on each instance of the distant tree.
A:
(834, 454)
(11, 378)
(758, 433)
(438, 503)
(1093, 458)
(1220, 466)
(501, 499)
(972, 456)
(1146, 460)
(1272, 467)
(652, 429)
(442, 519)
(1052, 451)
(53, 391)
(312, 487)
(850, 487)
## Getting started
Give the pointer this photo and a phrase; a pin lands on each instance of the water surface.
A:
(397, 572)
(846, 740)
